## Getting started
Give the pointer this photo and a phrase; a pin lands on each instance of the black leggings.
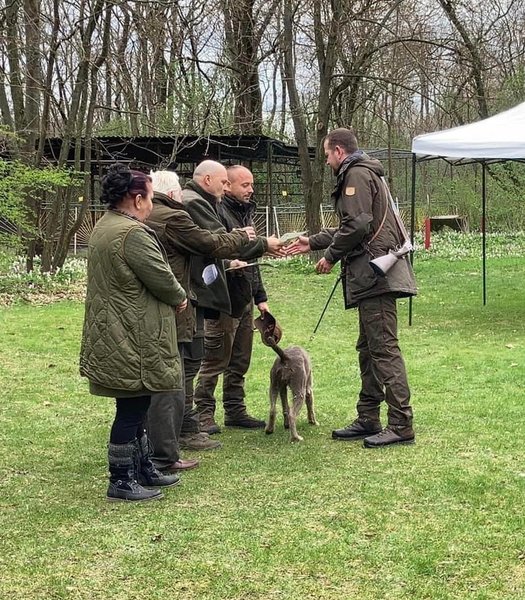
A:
(129, 419)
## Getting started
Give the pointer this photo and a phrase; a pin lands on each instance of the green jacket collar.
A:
(195, 187)
(164, 199)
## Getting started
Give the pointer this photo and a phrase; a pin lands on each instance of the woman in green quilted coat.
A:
(129, 341)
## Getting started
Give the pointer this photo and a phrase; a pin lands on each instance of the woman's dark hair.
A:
(121, 181)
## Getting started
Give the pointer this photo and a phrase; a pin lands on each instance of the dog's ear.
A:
(270, 330)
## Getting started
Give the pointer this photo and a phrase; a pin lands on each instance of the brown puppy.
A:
(291, 369)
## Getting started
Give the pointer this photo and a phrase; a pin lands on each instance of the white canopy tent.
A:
(501, 137)
(496, 139)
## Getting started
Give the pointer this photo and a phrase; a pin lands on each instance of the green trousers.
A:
(383, 373)
(227, 351)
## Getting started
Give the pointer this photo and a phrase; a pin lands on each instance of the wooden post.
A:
(427, 233)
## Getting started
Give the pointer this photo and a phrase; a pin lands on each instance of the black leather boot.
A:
(359, 429)
(391, 434)
(122, 483)
(147, 473)
(244, 421)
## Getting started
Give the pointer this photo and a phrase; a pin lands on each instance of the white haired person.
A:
(172, 421)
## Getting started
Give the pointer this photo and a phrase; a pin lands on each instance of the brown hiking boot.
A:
(391, 434)
(359, 429)
(181, 465)
(198, 441)
(208, 424)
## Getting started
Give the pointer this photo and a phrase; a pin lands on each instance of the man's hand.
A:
(263, 307)
(300, 246)
(182, 306)
(250, 232)
(275, 247)
(323, 266)
(237, 264)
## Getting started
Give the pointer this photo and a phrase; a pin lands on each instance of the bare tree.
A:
(245, 24)
(296, 68)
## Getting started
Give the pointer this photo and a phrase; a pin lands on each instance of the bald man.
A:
(212, 177)
(202, 198)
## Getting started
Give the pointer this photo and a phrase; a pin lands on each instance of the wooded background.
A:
(289, 69)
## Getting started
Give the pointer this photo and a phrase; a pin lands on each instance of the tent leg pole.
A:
(484, 229)
(412, 229)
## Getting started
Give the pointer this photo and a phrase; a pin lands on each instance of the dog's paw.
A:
(297, 439)
(314, 423)
(268, 431)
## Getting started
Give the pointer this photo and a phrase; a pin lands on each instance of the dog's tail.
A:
(273, 345)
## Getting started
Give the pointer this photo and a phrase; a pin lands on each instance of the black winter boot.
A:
(122, 483)
(147, 473)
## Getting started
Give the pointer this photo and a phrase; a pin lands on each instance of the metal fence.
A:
(279, 220)
(267, 221)
(276, 220)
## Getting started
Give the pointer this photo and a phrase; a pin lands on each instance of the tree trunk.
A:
(59, 214)
(243, 37)
(68, 232)
(476, 61)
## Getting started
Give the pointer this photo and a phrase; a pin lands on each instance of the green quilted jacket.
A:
(129, 340)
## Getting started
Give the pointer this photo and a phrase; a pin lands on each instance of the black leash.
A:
(326, 306)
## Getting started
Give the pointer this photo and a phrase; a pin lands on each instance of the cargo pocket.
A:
(213, 338)
(360, 276)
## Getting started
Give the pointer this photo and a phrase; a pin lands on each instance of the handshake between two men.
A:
(290, 244)
(287, 245)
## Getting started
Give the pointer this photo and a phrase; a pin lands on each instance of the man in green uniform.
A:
(368, 228)
(229, 337)
(202, 196)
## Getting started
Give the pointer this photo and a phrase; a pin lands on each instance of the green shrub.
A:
(21, 190)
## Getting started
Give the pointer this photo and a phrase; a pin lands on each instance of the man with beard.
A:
(368, 228)
(228, 328)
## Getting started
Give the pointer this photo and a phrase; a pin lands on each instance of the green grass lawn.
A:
(262, 518)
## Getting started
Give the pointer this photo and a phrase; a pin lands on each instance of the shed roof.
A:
(170, 151)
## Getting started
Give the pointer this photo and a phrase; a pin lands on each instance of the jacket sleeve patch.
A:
(350, 191)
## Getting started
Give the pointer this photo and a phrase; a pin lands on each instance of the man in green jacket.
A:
(202, 196)
(172, 422)
(228, 338)
(368, 229)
